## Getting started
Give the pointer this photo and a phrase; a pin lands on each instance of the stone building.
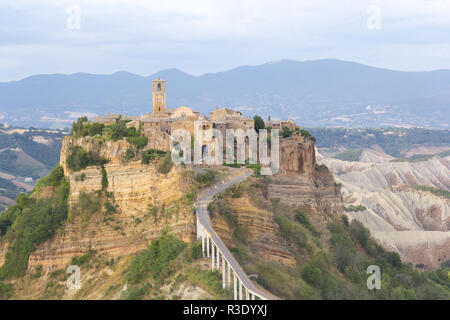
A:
(223, 119)
(162, 122)
(184, 112)
(280, 124)
(109, 119)
(159, 96)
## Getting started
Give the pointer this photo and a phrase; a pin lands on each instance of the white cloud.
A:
(76, 115)
(145, 36)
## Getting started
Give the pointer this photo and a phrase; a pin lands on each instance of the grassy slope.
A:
(182, 275)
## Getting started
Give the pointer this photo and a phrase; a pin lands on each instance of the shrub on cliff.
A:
(157, 261)
(206, 179)
(307, 135)
(53, 179)
(78, 158)
(196, 250)
(286, 132)
(342, 247)
(139, 142)
(303, 219)
(6, 291)
(291, 231)
(77, 126)
(166, 164)
(119, 130)
(151, 154)
(105, 182)
(82, 128)
(33, 222)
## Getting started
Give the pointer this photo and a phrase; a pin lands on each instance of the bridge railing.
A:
(221, 257)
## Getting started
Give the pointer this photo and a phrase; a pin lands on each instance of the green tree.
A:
(259, 123)
(105, 182)
(77, 126)
(119, 130)
(286, 132)
(96, 128)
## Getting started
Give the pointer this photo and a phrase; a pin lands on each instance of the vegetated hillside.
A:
(328, 92)
(123, 254)
(128, 223)
(312, 254)
(396, 142)
(25, 153)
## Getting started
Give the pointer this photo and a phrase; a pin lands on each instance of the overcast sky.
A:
(200, 36)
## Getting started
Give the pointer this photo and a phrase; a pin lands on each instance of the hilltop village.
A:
(159, 124)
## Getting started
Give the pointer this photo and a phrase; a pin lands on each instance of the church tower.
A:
(159, 96)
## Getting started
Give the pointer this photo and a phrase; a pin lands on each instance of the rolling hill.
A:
(316, 93)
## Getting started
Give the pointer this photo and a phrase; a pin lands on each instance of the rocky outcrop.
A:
(260, 230)
(300, 182)
(425, 249)
(297, 156)
(110, 150)
(378, 176)
(132, 187)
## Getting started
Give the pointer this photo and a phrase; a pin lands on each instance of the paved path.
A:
(202, 213)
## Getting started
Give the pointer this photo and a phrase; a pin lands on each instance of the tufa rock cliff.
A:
(132, 188)
(300, 183)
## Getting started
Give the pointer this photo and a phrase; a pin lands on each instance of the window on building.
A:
(159, 86)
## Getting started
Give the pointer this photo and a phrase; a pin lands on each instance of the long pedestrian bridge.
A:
(213, 247)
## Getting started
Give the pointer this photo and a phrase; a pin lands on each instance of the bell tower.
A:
(159, 96)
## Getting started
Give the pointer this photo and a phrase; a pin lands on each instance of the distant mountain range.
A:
(314, 93)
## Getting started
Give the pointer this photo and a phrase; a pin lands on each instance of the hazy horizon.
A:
(232, 68)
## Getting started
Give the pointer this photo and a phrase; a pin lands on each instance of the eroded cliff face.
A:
(259, 227)
(300, 182)
(297, 156)
(411, 221)
(132, 187)
(112, 151)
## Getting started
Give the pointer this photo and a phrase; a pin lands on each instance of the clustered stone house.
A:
(159, 124)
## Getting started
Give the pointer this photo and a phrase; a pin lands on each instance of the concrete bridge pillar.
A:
(212, 255)
(247, 296)
(235, 286)
(229, 276)
(207, 246)
(203, 246)
(240, 290)
(223, 273)
(252, 296)
(218, 258)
